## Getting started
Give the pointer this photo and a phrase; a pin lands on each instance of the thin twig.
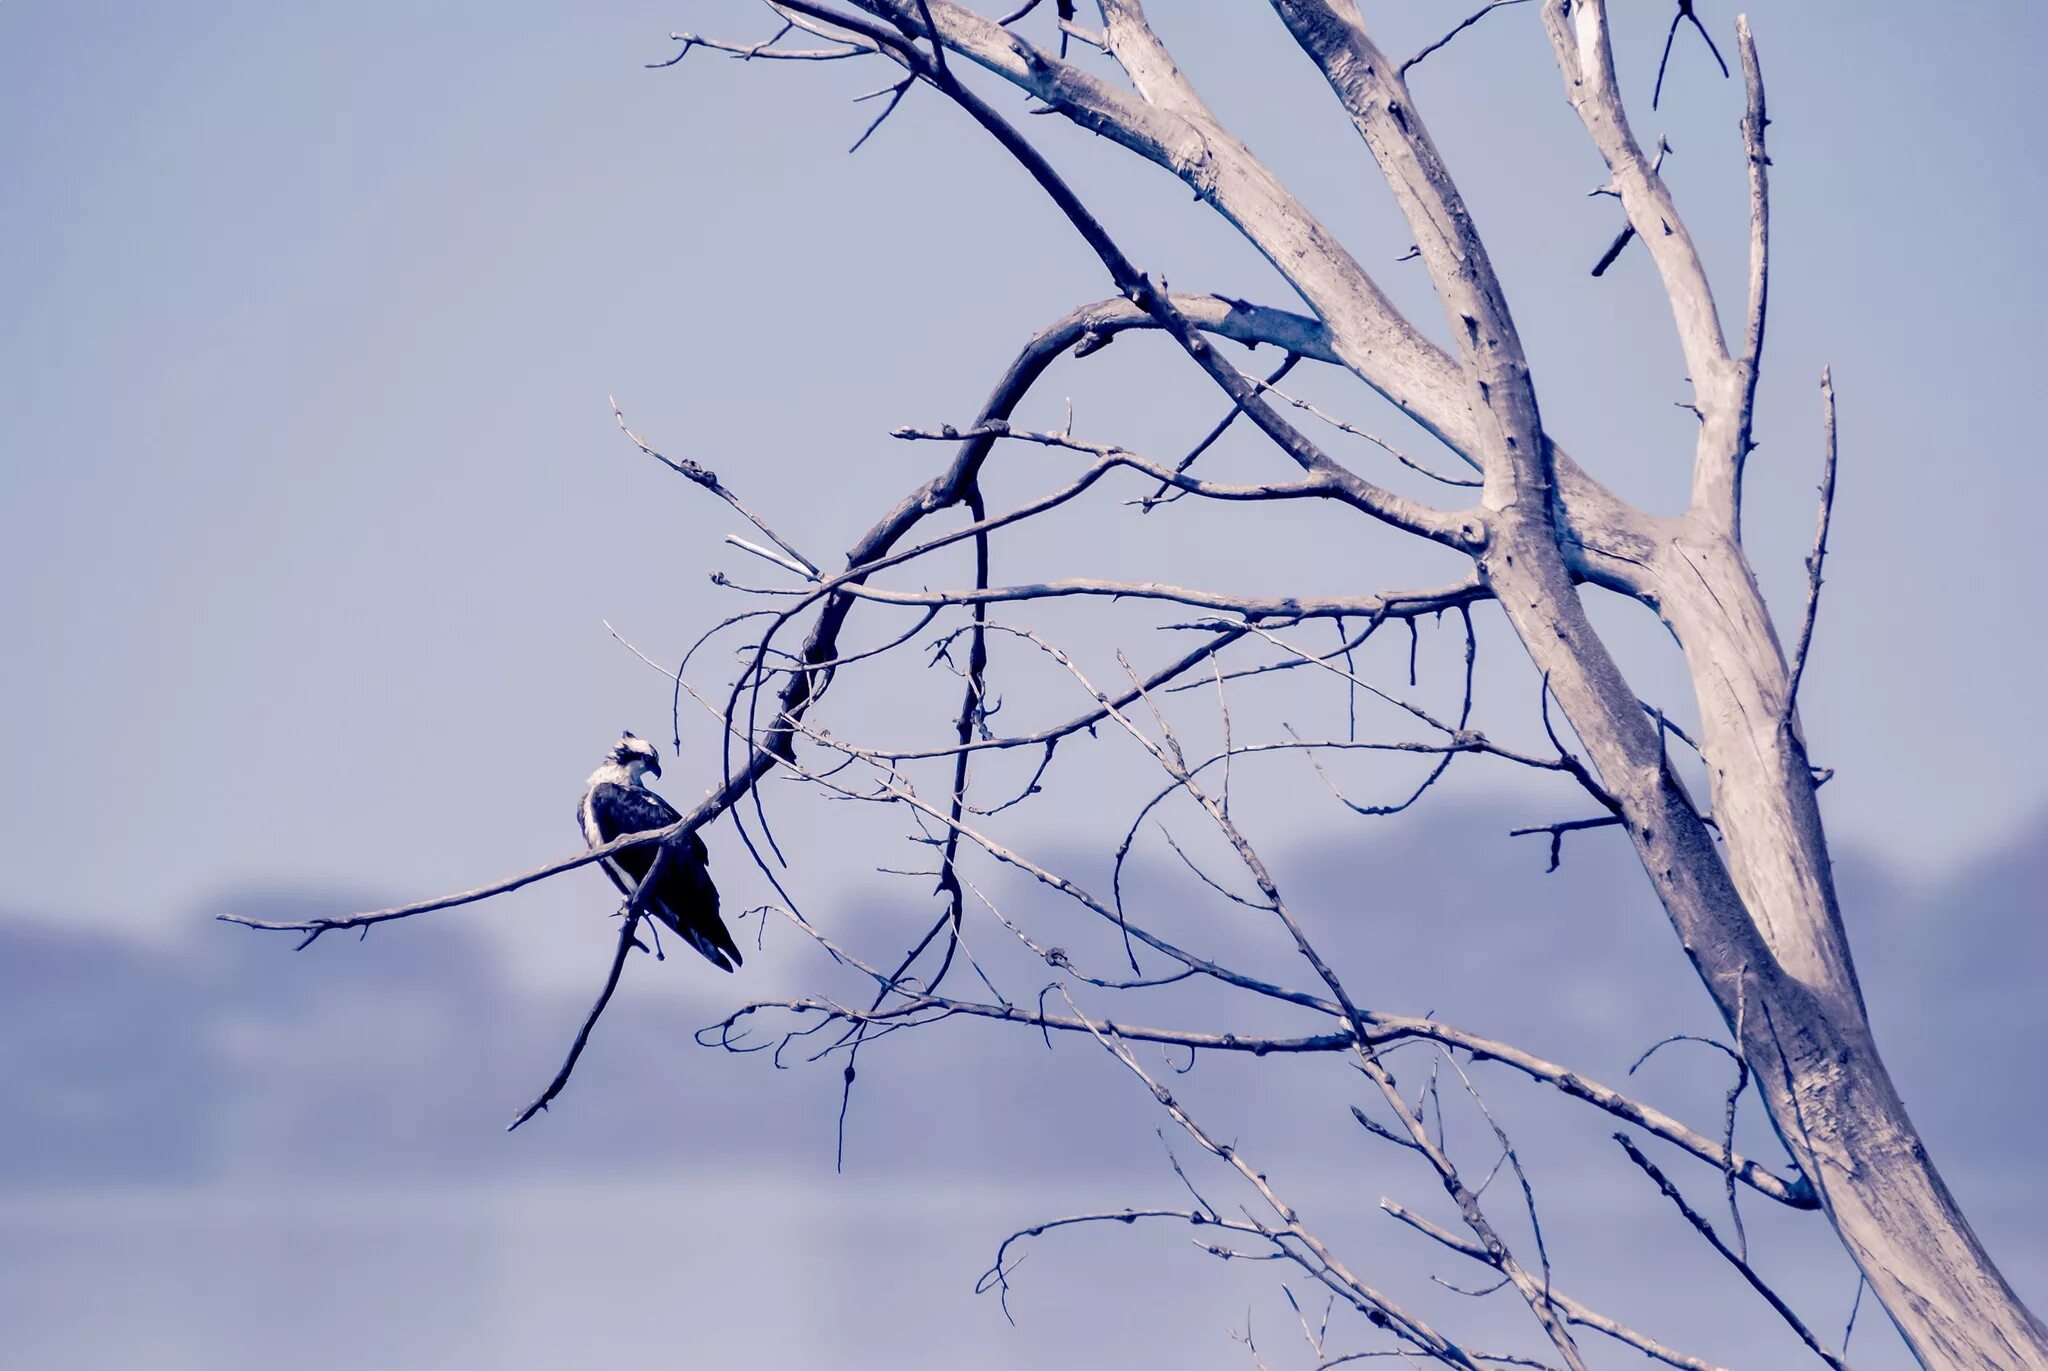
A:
(1463, 24)
(708, 479)
(1684, 13)
(1734, 1259)
(1819, 554)
(1165, 494)
(627, 940)
(896, 91)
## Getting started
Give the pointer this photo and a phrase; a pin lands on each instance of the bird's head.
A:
(635, 755)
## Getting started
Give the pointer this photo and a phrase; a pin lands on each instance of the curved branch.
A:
(1169, 127)
(1488, 8)
(1252, 608)
(313, 928)
(1390, 605)
(1386, 1030)
(1578, 32)
(1748, 1272)
(627, 941)
(1723, 385)
(1234, 319)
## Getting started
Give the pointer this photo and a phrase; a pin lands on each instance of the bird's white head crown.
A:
(634, 756)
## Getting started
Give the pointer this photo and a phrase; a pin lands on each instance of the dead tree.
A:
(1743, 877)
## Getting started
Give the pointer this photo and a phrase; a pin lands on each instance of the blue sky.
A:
(311, 315)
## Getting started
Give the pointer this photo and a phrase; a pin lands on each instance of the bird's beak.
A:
(654, 765)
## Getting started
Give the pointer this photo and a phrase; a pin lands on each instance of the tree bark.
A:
(1804, 1030)
(1760, 923)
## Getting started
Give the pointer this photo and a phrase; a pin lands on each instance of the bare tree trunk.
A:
(1805, 1030)
(1761, 927)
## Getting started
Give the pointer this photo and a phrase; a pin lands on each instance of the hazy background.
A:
(313, 509)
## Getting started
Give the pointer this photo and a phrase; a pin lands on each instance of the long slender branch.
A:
(1343, 426)
(1367, 1299)
(1397, 510)
(764, 49)
(1513, 455)
(1734, 1259)
(1579, 34)
(628, 932)
(708, 479)
(1723, 384)
(1818, 557)
(632, 913)
(1382, 1028)
(1252, 608)
(1102, 319)
(1389, 605)
(1168, 126)
(1216, 431)
(1322, 485)
(1168, 754)
(917, 1002)
(313, 928)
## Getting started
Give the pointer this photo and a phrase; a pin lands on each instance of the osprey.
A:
(616, 803)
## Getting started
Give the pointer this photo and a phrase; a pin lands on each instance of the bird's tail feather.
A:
(715, 945)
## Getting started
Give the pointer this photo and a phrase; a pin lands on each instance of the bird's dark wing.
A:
(683, 897)
(630, 809)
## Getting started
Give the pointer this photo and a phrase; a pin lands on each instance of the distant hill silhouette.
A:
(225, 1055)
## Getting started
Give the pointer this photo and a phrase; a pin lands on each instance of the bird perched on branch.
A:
(617, 802)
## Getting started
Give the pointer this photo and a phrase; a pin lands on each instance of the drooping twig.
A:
(1684, 13)
(1734, 1097)
(1748, 1272)
(968, 719)
(1862, 1284)
(627, 940)
(628, 929)
(997, 1277)
(895, 90)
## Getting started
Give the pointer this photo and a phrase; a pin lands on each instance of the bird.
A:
(616, 802)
